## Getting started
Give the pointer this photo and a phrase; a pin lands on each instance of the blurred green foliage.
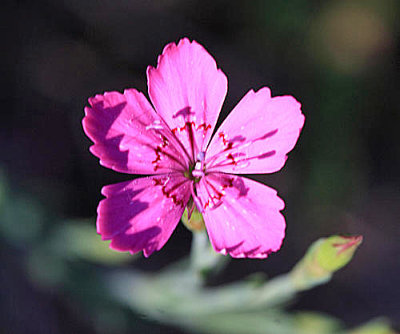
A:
(177, 295)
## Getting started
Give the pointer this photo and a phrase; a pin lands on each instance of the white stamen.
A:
(197, 173)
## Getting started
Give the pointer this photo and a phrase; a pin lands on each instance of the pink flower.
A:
(170, 140)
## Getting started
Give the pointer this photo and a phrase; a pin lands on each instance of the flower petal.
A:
(129, 136)
(142, 214)
(257, 134)
(187, 90)
(242, 216)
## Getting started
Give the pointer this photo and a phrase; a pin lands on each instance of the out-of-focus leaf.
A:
(78, 239)
(172, 300)
(243, 323)
(377, 326)
(21, 218)
(316, 323)
(238, 308)
(110, 320)
(176, 296)
(45, 269)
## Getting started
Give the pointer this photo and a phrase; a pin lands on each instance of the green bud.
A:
(194, 221)
(336, 251)
(323, 258)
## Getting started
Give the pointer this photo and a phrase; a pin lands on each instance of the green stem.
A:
(203, 258)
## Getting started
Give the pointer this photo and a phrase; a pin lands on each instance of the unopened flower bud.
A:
(323, 258)
(336, 251)
(193, 219)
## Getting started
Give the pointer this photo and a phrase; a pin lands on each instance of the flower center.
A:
(197, 171)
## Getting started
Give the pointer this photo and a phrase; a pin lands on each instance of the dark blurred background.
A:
(339, 58)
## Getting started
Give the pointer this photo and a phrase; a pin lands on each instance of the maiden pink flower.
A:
(170, 140)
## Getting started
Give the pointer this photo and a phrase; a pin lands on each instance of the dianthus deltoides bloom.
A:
(170, 140)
